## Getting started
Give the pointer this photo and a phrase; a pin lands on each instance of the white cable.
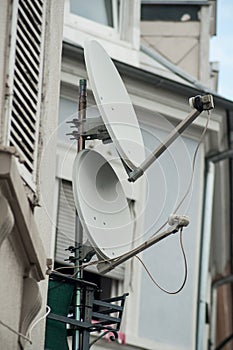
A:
(185, 270)
(178, 206)
(194, 162)
(27, 338)
(38, 320)
(15, 332)
(192, 173)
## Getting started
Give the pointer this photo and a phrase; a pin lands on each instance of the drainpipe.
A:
(215, 285)
(205, 253)
(205, 248)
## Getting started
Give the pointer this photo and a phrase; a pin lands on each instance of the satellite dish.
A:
(101, 204)
(114, 104)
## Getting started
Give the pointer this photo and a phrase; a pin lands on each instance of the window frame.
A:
(86, 25)
(116, 277)
(121, 42)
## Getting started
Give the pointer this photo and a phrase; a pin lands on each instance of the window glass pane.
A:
(67, 109)
(99, 11)
(154, 12)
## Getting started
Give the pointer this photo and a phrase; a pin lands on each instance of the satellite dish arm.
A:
(200, 104)
(177, 222)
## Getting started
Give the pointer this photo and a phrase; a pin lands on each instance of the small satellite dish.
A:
(101, 204)
(114, 104)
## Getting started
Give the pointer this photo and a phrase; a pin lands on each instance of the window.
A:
(25, 83)
(98, 19)
(175, 13)
(103, 13)
(110, 21)
(67, 108)
(65, 235)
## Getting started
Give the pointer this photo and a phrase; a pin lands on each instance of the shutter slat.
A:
(27, 78)
(23, 147)
(28, 65)
(16, 142)
(26, 142)
(30, 8)
(26, 94)
(23, 32)
(38, 5)
(33, 30)
(22, 94)
(33, 49)
(24, 111)
(24, 84)
(22, 124)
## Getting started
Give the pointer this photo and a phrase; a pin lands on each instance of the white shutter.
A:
(65, 222)
(26, 81)
(66, 229)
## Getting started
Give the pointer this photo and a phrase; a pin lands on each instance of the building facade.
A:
(160, 49)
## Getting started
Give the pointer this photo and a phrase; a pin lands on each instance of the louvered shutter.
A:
(27, 80)
(66, 228)
(65, 222)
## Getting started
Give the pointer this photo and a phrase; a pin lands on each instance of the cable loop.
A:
(185, 269)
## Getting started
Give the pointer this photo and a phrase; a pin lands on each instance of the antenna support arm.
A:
(200, 104)
(177, 222)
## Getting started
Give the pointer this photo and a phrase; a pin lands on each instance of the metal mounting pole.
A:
(82, 104)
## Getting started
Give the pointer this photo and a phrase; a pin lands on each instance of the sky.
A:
(221, 47)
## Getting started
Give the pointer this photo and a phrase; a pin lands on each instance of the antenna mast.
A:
(82, 104)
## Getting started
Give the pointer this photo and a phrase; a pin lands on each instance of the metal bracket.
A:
(90, 129)
(86, 252)
(202, 103)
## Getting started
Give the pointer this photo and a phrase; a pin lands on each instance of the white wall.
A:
(47, 161)
(4, 40)
(169, 320)
(11, 291)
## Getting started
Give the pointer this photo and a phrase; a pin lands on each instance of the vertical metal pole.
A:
(87, 316)
(82, 104)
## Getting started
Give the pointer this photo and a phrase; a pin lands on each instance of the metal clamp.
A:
(90, 129)
(202, 103)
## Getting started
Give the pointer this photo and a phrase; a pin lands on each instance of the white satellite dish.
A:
(101, 204)
(114, 104)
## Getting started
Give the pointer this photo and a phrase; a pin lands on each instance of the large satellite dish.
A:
(114, 104)
(99, 196)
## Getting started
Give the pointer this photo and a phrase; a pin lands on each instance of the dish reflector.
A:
(114, 104)
(101, 204)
